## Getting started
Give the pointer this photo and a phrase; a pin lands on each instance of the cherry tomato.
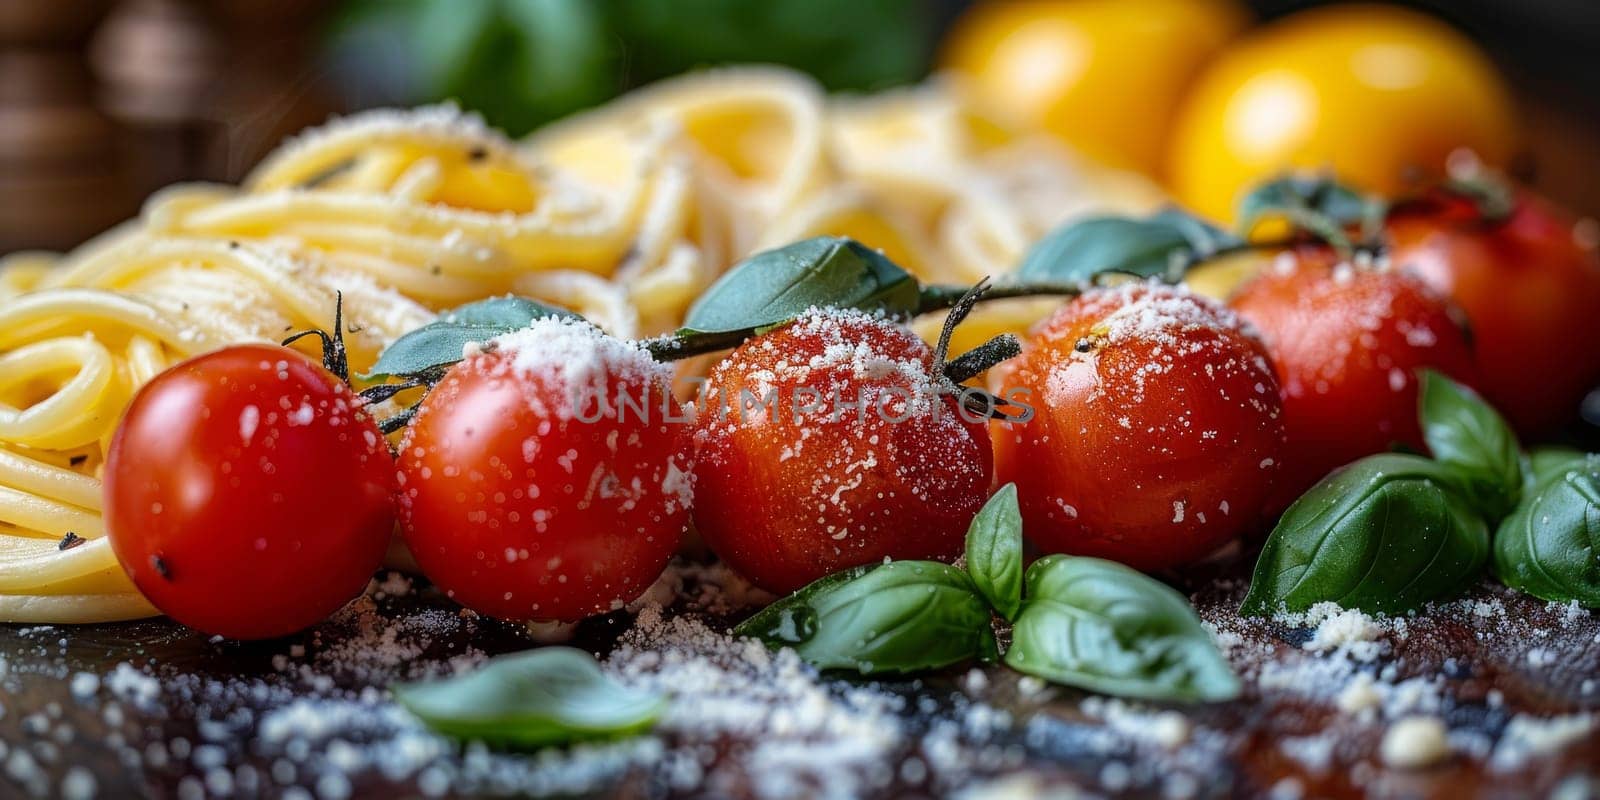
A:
(545, 477)
(1104, 75)
(1348, 342)
(1530, 287)
(1158, 430)
(247, 494)
(1379, 95)
(823, 445)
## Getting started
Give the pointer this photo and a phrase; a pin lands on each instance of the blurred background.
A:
(105, 101)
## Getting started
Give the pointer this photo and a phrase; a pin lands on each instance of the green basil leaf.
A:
(1384, 534)
(1105, 627)
(899, 617)
(791, 620)
(994, 551)
(506, 311)
(439, 343)
(1546, 462)
(988, 646)
(775, 286)
(1157, 246)
(1319, 194)
(1550, 545)
(548, 696)
(1473, 442)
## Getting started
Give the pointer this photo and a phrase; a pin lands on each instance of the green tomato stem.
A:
(938, 297)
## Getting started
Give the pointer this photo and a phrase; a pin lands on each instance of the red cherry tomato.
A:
(853, 459)
(1158, 430)
(545, 478)
(1348, 342)
(247, 494)
(1530, 287)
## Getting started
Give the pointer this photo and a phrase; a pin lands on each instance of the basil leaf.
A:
(1383, 535)
(791, 620)
(506, 311)
(1546, 462)
(1319, 194)
(552, 695)
(1473, 442)
(1158, 246)
(1550, 545)
(994, 551)
(775, 286)
(439, 343)
(988, 646)
(1105, 627)
(899, 617)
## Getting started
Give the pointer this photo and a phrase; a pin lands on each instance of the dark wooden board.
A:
(206, 715)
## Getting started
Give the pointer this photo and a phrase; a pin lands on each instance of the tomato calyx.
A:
(974, 362)
(334, 357)
(1317, 208)
(1490, 195)
(384, 391)
(1321, 209)
(336, 360)
(1470, 196)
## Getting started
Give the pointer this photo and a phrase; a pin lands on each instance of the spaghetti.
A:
(624, 214)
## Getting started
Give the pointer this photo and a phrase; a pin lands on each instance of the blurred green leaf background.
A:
(526, 62)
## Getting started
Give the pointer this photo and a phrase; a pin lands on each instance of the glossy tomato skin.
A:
(1376, 94)
(1158, 431)
(1530, 287)
(247, 494)
(524, 499)
(1104, 75)
(1347, 343)
(788, 496)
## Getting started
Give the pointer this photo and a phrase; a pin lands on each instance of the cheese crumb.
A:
(1360, 696)
(1415, 743)
(1350, 631)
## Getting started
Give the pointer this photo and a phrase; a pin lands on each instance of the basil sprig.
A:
(438, 344)
(812, 620)
(775, 286)
(1473, 443)
(1384, 534)
(1391, 532)
(1549, 546)
(1102, 626)
(898, 617)
(1083, 622)
(1163, 245)
(994, 551)
(552, 695)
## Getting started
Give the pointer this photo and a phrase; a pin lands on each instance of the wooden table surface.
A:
(307, 716)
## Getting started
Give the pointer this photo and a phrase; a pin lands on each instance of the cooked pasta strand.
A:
(624, 213)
